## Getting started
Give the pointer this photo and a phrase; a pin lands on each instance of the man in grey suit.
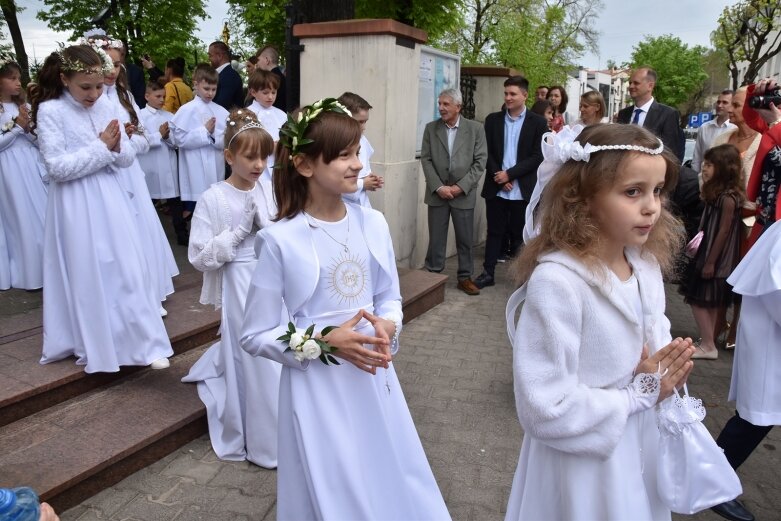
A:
(660, 119)
(453, 157)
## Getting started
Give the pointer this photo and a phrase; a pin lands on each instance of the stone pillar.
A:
(378, 60)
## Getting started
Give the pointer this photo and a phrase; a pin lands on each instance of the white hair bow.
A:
(557, 148)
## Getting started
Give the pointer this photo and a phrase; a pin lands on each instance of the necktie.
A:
(636, 118)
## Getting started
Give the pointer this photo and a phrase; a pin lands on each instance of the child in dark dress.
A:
(704, 285)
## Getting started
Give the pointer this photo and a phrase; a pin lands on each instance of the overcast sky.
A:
(622, 24)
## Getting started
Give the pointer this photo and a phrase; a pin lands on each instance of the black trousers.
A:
(502, 216)
(739, 438)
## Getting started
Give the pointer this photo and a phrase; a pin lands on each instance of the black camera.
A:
(764, 101)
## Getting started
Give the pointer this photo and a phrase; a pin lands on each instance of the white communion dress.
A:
(585, 455)
(756, 370)
(22, 205)
(96, 305)
(328, 414)
(157, 250)
(240, 391)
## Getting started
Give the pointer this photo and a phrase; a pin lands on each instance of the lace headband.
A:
(248, 123)
(557, 149)
(292, 132)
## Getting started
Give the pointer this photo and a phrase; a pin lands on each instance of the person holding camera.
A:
(763, 115)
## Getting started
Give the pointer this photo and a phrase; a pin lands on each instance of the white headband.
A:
(557, 149)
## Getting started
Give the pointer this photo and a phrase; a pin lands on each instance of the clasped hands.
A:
(674, 363)
(111, 136)
(502, 178)
(350, 343)
(449, 192)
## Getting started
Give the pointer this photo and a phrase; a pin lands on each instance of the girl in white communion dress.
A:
(592, 349)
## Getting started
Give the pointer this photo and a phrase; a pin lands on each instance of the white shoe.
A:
(161, 363)
(163, 312)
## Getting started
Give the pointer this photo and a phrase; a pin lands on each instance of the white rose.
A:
(298, 355)
(295, 340)
(311, 350)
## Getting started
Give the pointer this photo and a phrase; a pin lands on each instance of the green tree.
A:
(680, 68)
(541, 38)
(161, 29)
(9, 10)
(750, 32)
(437, 17)
(545, 39)
(263, 21)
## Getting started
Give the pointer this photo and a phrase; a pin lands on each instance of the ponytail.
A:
(124, 95)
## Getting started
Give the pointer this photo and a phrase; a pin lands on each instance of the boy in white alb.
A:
(263, 86)
(198, 127)
(159, 164)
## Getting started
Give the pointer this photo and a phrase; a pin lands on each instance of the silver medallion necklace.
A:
(346, 239)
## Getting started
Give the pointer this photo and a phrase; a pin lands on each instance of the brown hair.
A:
(255, 141)
(6, 71)
(207, 73)
(331, 133)
(727, 173)
(562, 108)
(353, 102)
(592, 98)
(261, 79)
(153, 85)
(49, 84)
(566, 221)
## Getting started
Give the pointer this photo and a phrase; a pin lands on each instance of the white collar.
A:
(221, 67)
(646, 106)
(151, 109)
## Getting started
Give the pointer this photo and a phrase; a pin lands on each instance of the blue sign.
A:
(699, 119)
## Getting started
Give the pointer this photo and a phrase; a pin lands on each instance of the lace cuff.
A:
(643, 392)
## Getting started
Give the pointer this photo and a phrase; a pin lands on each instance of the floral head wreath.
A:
(292, 132)
(107, 66)
(557, 149)
(246, 121)
(99, 38)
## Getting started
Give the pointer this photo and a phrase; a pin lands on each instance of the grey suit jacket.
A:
(468, 162)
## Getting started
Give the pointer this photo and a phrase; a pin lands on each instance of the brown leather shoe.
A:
(468, 287)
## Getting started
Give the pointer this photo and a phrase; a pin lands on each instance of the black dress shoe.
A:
(484, 280)
(734, 511)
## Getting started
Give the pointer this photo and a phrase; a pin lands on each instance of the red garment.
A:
(770, 138)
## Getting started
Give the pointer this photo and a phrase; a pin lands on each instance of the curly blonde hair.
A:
(567, 223)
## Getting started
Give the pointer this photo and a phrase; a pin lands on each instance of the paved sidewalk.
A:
(455, 365)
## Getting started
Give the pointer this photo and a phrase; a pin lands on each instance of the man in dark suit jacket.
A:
(453, 159)
(230, 90)
(660, 119)
(510, 173)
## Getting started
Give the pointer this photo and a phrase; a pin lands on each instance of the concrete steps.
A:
(69, 435)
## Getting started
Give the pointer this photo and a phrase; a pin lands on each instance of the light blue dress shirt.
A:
(512, 131)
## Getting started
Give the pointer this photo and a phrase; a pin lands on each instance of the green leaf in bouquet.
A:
(327, 329)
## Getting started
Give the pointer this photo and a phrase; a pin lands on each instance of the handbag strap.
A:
(513, 303)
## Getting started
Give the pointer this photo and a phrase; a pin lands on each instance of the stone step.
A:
(27, 386)
(74, 449)
(421, 290)
(68, 448)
